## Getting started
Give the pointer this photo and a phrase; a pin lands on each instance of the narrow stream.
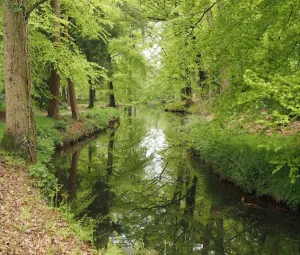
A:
(143, 188)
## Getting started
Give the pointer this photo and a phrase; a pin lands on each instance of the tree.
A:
(20, 129)
(54, 80)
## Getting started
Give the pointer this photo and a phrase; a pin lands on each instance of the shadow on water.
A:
(141, 185)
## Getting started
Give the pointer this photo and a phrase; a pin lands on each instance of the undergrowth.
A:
(258, 163)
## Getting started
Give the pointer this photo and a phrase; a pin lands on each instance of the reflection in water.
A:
(73, 174)
(140, 183)
(155, 143)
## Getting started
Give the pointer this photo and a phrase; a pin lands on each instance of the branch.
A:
(203, 14)
(33, 7)
(207, 10)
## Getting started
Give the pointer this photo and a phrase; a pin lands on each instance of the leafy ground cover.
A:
(27, 224)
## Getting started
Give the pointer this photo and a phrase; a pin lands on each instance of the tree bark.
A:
(111, 97)
(54, 87)
(54, 80)
(20, 129)
(91, 98)
(74, 107)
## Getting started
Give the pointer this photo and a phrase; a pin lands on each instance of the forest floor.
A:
(27, 224)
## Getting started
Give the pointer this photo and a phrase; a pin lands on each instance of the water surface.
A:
(142, 187)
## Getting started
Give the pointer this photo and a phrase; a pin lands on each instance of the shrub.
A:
(61, 125)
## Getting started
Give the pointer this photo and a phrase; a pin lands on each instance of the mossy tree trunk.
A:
(54, 80)
(20, 129)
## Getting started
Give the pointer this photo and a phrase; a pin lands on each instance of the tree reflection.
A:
(135, 185)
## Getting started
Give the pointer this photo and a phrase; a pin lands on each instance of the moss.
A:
(15, 145)
(178, 106)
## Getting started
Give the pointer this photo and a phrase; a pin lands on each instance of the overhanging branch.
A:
(203, 15)
(33, 7)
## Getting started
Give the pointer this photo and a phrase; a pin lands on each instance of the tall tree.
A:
(54, 80)
(71, 88)
(20, 129)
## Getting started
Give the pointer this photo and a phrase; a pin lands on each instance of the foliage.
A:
(251, 161)
(61, 125)
(102, 116)
(82, 227)
(44, 180)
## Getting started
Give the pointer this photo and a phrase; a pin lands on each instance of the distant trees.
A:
(58, 60)
(247, 49)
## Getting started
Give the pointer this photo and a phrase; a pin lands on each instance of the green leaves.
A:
(16, 7)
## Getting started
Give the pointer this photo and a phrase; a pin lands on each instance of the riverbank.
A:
(261, 164)
(29, 224)
(254, 153)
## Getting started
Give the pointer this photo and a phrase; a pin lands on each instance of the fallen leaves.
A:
(27, 225)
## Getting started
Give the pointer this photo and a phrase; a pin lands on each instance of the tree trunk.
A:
(74, 107)
(64, 94)
(54, 86)
(54, 80)
(71, 89)
(91, 98)
(20, 129)
(111, 97)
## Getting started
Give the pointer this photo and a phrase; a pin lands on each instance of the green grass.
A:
(43, 121)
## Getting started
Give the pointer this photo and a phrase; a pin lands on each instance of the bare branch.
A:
(33, 7)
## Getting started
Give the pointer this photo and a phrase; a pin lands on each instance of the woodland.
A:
(231, 68)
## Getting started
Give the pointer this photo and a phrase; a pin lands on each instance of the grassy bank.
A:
(259, 163)
(30, 221)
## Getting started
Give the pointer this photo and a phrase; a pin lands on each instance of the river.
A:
(143, 188)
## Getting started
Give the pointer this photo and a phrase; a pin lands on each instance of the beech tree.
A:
(54, 80)
(20, 129)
